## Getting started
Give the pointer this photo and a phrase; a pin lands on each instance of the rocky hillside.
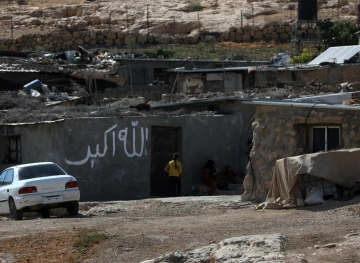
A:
(56, 26)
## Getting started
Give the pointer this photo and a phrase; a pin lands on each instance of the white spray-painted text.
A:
(122, 135)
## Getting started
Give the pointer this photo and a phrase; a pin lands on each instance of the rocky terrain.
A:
(55, 26)
(187, 230)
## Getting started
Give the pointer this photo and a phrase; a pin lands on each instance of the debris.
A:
(35, 84)
(35, 93)
(281, 59)
(314, 195)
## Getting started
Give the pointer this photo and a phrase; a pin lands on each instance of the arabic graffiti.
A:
(123, 137)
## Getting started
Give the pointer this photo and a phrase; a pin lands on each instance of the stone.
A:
(109, 42)
(143, 39)
(111, 35)
(280, 30)
(190, 40)
(225, 36)
(232, 36)
(284, 37)
(55, 34)
(76, 34)
(92, 34)
(163, 40)
(120, 35)
(274, 36)
(79, 42)
(129, 39)
(258, 35)
(66, 37)
(119, 41)
(232, 29)
(272, 155)
(246, 37)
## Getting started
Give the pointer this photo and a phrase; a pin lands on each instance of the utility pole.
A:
(12, 30)
(147, 18)
(174, 27)
(127, 20)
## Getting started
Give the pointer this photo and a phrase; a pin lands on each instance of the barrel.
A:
(307, 9)
(35, 84)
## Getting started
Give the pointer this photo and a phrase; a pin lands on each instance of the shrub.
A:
(194, 6)
(87, 239)
(304, 57)
(21, 2)
(338, 34)
(164, 52)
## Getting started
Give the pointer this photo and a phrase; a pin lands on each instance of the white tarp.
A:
(336, 54)
(340, 167)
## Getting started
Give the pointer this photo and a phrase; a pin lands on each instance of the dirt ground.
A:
(141, 230)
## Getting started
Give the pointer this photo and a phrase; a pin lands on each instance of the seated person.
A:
(209, 177)
(223, 182)
(230, 175)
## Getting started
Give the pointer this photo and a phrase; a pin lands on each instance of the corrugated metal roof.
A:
(336, 54)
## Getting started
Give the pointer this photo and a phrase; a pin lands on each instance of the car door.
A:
(4, 208)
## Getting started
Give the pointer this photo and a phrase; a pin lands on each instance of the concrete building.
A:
(300, 126)
(122, 158)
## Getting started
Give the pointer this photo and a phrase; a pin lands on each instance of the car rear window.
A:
(40, 170)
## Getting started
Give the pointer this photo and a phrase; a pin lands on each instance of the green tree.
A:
(338, 33)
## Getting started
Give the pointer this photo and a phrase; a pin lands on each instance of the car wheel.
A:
(14, 213)
(45, 212)
(73, 209)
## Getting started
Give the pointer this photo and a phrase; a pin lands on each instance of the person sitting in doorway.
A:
(223, 183)
(210, 177)
(230, 175)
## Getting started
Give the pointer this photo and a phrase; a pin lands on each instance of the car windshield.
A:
(39, 170)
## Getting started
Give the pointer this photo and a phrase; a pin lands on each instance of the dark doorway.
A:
(159, 74)
(165, 141)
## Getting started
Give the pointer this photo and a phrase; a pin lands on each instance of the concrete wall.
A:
(279, 133)
(113, 164)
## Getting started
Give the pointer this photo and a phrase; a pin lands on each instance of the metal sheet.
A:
(336, 54)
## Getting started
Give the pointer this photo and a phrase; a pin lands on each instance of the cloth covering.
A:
(341, 167)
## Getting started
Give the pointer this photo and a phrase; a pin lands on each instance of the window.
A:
(12, 149)
(324, 138)
(39, 170)
(2, 177)
(9, 177)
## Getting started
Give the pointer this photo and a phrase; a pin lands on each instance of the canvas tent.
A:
(341, 167)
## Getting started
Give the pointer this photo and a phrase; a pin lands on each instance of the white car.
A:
(37, 187)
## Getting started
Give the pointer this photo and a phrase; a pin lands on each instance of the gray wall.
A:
(92, 151)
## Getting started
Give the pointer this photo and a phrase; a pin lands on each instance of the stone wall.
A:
(279, 132)
(64, 37)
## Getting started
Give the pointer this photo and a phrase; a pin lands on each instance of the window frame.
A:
(326, 127)
(12, 153)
